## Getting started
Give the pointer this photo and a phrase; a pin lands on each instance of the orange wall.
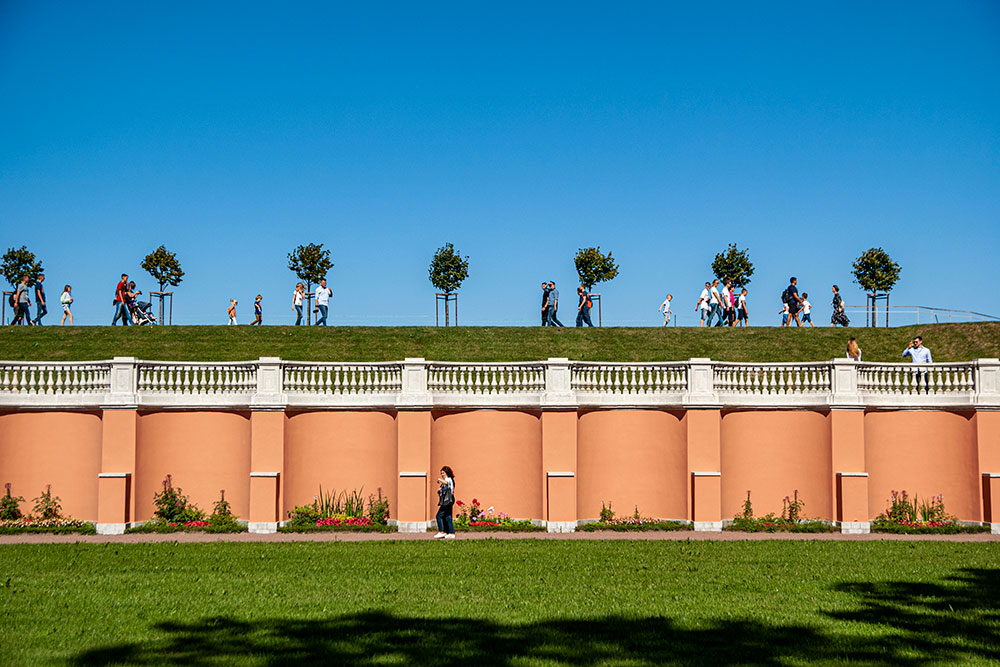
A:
(342, 451)
(773, 453)
(58, 448)
(203, 451)
(632, 458)
(496, 456)
(925, 453)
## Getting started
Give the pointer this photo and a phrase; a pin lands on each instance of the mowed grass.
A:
(948, 342)
(522, 602)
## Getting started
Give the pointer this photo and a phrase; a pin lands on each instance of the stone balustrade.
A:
(555, 382)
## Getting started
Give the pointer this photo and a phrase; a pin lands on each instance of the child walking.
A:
(807, 310)
(257, 311)
(231, 311)
(665, 309)
(66, 300)
(784, 315)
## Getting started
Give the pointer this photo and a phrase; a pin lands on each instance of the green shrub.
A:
(10, 506)
(172, 506)
(631, 525)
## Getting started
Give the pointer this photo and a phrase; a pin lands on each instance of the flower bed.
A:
(498, 525)
(345, 511)
(906, 516)
(305, 523)
(772, 524)
(197, 526)
(632, 524)
(925, 528)
(50, 526)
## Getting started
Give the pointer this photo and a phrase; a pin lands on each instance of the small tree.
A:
(594, 267)
(164, 266)
(447, 271)
(20, 262)
(733, 264)
(311, 264)
(876, 273)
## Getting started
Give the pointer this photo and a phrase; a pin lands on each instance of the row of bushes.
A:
(351, 511)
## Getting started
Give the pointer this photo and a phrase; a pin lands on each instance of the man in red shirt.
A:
(119, 303)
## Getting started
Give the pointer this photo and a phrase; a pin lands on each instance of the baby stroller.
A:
(141, 312)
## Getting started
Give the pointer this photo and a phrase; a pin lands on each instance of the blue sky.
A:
(520, 132)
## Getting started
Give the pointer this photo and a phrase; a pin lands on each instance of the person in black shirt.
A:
(545, 304)
(40, 309)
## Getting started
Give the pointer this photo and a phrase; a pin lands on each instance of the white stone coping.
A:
(113, 475)
(561, 474)
(852, 474)
(264, 474)
(413, 474)
(705, 474)
(992, 475)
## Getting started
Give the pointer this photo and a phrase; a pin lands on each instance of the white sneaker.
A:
(449, 536)
(439, 536)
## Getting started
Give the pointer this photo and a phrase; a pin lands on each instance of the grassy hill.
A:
(948, 342)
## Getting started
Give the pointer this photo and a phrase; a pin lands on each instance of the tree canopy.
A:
(875, 271)
(448, 269)
(164, 266)
(733, 264)
(310, 263)
(20, 262)
(594, 267)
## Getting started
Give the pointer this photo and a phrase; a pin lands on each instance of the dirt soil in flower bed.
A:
(344, 536)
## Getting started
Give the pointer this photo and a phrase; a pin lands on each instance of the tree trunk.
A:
(446, 295)
(309, 289)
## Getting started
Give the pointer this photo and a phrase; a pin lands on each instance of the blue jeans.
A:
(715, 310)
(583, 315)
(40, 313)
(298, 315)
(321, 320)
(553, 320)
(445, 523)
(121, 312)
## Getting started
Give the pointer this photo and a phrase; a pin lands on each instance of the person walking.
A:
(714, 304)
(839, 317)
(22, 302)
(257, 311)
(728, 311)
(446, 503)
(583, 308)
(853, 350)
(784, 315)
(66, 299)
(121, 310)
(553, 302)
(807, 310)
(231, 312)
(40, 309)
(704, 304)
(665, 309)
(323, 294)
(297, 297)
(742, 311)
(545, 304)
(793, 301)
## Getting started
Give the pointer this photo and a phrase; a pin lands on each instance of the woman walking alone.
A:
(446, 502)
(839, 316)
(297, 296)
(853, 351)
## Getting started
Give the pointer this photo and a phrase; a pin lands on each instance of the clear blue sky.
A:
(232, 132)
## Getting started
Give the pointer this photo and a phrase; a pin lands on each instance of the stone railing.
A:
(271, 383)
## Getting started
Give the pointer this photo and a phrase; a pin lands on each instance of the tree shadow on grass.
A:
(901, 623)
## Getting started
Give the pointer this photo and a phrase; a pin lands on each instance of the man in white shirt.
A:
(727, 304)
(703, 304)
(919, 354)
(323, 294)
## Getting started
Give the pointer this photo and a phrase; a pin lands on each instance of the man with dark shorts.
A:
(793, 301)
(545, 303)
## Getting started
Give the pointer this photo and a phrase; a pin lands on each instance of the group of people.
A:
(723, 306)
(20, 300)
(550, 305)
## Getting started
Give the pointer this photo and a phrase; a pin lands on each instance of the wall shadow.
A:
(908, 623)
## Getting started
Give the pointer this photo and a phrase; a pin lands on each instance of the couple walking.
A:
(322, 296)
(21, 301)
(550, 306)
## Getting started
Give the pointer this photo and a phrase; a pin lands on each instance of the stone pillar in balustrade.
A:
(119, 415)
(559, 429)
(847, 442)
(704, 424)
(987, 398)
(267, 447)
(413, 453)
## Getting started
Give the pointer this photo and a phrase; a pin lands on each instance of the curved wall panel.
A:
(496, 456)
(58, 448)
(342, 451)
(632, 458)
(773, 453)
(204, 452)
(925, 453)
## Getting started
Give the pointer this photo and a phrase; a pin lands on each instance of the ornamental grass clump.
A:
(636, 522)
(344, 510)
(905, 515)
(790, 521)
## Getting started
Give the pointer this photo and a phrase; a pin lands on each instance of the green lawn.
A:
(501, 602)
(948, 342)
